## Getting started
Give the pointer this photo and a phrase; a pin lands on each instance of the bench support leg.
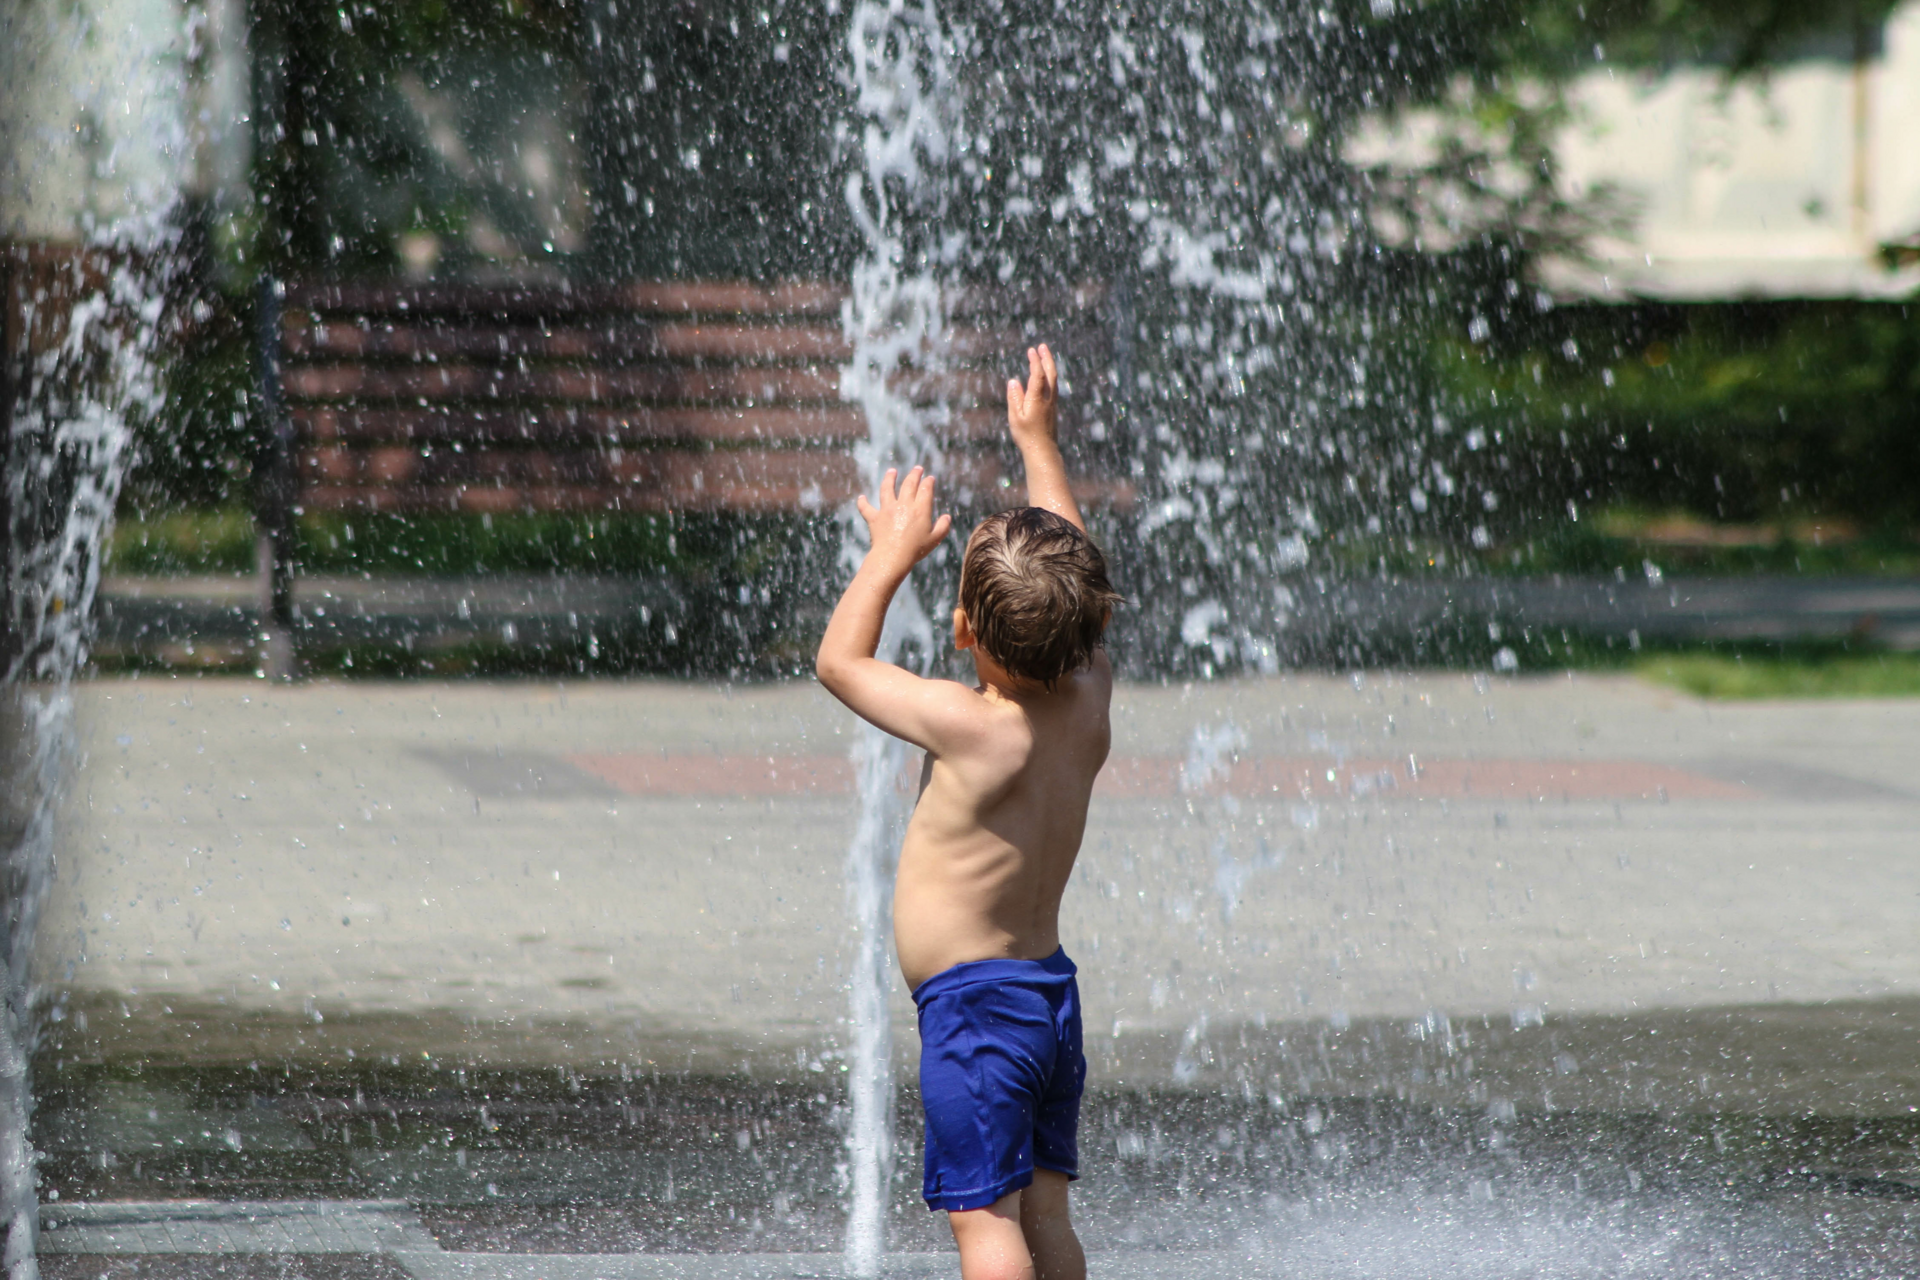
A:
(275, 602)
(275, 486)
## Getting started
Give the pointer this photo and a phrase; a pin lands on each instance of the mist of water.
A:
(1242, 391)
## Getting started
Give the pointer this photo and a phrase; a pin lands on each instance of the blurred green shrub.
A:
(1736, 411)
(689, 548)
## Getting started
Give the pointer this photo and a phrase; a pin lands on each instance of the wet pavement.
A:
(501, 1173)
(1397, 976)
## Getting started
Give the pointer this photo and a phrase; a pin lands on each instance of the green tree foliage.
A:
(376, 120)
(1743, 36)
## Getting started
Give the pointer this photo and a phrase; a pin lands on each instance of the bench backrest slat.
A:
(651, 395)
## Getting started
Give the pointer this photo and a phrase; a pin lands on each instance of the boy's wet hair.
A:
(1035, 591)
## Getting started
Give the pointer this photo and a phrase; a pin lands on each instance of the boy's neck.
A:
(995, 678)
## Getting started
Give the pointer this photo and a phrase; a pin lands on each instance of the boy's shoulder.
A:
(953, 719)
(1094, 681)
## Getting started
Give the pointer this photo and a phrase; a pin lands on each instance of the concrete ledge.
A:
(662, 1266)
(118, 1228)
(781, 1266)
(391, 1228)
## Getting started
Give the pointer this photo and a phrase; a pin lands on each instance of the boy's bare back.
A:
(993, 840)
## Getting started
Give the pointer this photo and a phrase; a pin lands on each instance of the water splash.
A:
(87, 308)
(96, 319)
(1211, 753)
(907, 104)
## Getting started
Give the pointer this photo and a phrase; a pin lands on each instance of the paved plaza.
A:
(391, 1230)
(658, 867)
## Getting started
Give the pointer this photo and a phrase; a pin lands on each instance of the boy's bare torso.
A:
(992, 842)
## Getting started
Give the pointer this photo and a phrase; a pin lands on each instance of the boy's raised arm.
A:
(1033, 417)
(926, 713)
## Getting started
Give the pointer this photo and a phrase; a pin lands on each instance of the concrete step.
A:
(392, 1229)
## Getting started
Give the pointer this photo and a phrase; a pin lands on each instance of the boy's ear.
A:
(962, 629)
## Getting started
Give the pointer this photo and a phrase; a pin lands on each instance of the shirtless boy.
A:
(1003, 803)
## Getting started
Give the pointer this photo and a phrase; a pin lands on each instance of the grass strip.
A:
(1708, 675)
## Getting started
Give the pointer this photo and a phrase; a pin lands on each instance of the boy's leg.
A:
(1048, 1230)
(993, 1243)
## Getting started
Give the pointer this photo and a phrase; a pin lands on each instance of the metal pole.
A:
(274, 491)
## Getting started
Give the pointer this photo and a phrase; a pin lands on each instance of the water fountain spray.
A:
(82, 366)
(908, 106)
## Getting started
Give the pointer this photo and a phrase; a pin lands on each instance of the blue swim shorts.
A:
(1000, 1075)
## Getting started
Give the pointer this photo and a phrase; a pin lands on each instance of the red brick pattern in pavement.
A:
(640, 774)
(1480, 779)
(1291, 777)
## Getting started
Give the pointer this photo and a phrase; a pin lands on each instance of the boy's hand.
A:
(903, 527)
(1033, 410)
(1033, 415)
(925, 712)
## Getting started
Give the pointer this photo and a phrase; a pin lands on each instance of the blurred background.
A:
(1653, 257)
(431, 426)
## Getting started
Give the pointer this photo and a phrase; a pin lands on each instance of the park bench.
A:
(665, 396)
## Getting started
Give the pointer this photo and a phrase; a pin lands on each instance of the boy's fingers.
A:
(1036, 371)
(1052, 370)
(865, 508)
(940, 528)
(1014, 395)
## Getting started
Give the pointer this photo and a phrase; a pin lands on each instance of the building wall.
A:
(1784, 186)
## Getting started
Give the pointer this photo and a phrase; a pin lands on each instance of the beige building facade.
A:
(1803, 182)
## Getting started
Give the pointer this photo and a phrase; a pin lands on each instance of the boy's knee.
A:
(999, 1267)
(992, 1244)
